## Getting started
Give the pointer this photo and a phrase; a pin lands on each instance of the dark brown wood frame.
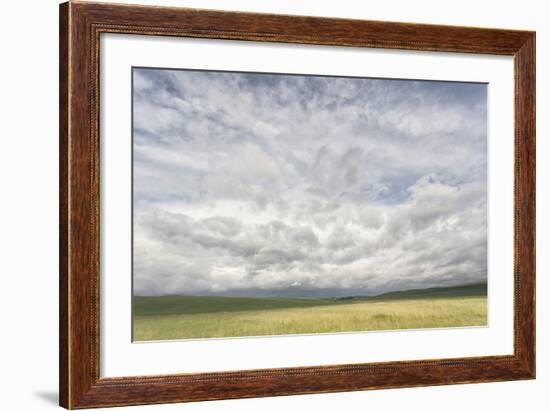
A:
(81, 24)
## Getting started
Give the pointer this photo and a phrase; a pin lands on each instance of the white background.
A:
(28, 217)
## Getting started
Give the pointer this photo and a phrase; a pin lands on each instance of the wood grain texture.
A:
(63, 205)
(80, 27)
(525, 203)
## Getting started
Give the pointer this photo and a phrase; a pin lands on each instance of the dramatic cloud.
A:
(258, 184)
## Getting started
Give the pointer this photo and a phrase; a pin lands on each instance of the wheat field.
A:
(178, 317)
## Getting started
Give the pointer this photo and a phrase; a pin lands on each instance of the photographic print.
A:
(234, 184)
(281, 204)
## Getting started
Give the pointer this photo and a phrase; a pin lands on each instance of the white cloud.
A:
(294, 184)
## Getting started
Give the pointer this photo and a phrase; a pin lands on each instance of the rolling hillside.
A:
(181, 317)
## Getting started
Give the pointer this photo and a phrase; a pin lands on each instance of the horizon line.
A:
(483, 283)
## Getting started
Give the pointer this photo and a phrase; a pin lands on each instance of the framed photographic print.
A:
(257, 205)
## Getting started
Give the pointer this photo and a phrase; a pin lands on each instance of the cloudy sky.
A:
(261, 184)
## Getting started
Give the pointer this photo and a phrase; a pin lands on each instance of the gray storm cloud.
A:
(259, 184)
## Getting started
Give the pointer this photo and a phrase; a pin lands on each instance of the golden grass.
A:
(352, 316)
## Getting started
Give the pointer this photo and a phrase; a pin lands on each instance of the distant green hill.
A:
(166, 305)
(472, 290)
(172, 305)
(179, 317)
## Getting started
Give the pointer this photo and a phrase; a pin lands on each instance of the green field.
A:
(180, 317)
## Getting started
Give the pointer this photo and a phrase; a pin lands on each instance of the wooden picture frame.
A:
(80, 27)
